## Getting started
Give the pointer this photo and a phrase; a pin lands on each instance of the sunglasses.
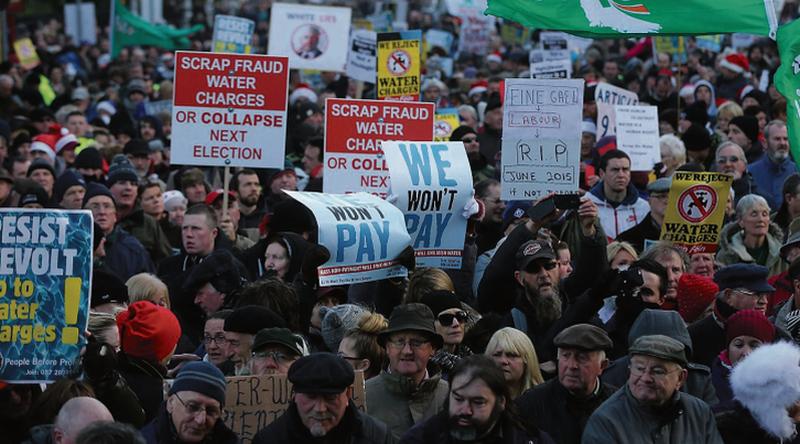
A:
(537, 267)
(447, 318)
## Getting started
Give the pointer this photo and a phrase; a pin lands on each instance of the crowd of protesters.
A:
(578, 327)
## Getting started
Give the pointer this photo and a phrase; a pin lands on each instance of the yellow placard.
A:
(444, 125)
(399, 65)
(26, 53)
(695, 210)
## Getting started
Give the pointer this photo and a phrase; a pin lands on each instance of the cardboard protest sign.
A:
(313, 37)
(541, 137)
(637, 135)
(674, 45)
(433, 183)
(229, 110)
(363, 233)
(45, 280)
(354, 130)
(232, 34)
(362, 56)
(557, 69)
(253, 402)
(696, 210)
(399, 65)
(26, 53)
(606, 96)
(447, 121)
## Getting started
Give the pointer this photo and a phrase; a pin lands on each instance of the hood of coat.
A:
(732, 238)
(661, 322)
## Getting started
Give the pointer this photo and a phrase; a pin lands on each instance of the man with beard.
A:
(246, 185)
(562, 406)
(322, 409)
(771, 170)
(481, 168)
(479, 410)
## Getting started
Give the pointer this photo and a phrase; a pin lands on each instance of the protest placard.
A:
(26, 53)
(433, 183)
(45, 280)
(232, 34)
(313, 37)
(549, 55)
(741, 41)
(363, 233)
(550, 40)
(436, 38)
(710, 42)
(556, 69)
(637, 135)
(399, 65)
(253, 402)
(674, 45)
(541, 137)
(696, 210)
(354, 130)
(447, 121)
(362, 56)
(229, 110)
(514, 34)
(606, 96)
(80, 22)
(476, 34)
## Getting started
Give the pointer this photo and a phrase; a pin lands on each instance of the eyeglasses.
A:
(348, 358)
(219, 339)
(280, 358)
(752, 294)
(400, 344)
(656, 372)
(447, 318)
(194, 408)
(731, 159)
(535, 267)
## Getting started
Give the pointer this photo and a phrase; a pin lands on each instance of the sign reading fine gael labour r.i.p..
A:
(45, 279)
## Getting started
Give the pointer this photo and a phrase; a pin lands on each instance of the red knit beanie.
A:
(695, 294)
(749, 323)
(148, 331)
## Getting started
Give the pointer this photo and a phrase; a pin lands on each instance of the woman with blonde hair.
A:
(426, 280)
(621, 254)
(360, 346)
(513, 351)
(147, 287)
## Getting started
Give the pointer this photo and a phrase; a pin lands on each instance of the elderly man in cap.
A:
(322, 409)
(649, 229)
(562, 406)
(405, 394)
(651, 407)
(193, 411)
(240, 329)
(275, 350)
(215, 282)
(741, 286)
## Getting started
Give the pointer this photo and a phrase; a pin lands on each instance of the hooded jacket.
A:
(296, 247)
(667, 323)
(712, 107)
(733, 251)
(398, 402)
(626, 215)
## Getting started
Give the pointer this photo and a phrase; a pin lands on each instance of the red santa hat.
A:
(479, 87)
(66, 141)
(302, 90)
(45, 143)
(494, 57)
(737, 63)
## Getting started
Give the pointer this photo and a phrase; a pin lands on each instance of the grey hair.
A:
(771, 124)
(747, 202)
(660, 248)
(727, 144)
(675, 147)
(469, 109)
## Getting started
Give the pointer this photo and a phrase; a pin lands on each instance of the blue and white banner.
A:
(233, 34)
(363, 233)
(433, 184)
(45, 283)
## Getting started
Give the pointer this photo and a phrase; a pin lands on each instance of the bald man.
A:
(75, 415)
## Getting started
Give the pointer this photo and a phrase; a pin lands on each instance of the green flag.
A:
(128, 29)
(787, 81)
(612, 18)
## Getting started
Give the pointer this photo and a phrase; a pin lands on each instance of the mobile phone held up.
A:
(547, 206)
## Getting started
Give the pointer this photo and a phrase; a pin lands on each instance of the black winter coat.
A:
(436, 431)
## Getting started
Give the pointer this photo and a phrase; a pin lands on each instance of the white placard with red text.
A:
(354, 130)
(229, 110)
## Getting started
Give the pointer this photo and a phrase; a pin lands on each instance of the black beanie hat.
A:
(460, 132)
(249, 319)
(696, 138)
(68, 179)
(201, 377)
(89, 158)
(748, 125)
(96, 189)
(41, 164)
(441, 300)
(697, 113)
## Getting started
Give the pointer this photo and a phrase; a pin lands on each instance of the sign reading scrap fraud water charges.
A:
(695, 210)
(253, 402)
(45, 279)
(363, 233)
(229, 110)
(354, 130)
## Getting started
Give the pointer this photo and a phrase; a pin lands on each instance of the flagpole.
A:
(111, 27)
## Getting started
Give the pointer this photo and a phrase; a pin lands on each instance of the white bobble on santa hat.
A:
(479, 87)
(494, 57)
(66, 141)
(737, 63)
(45, 143)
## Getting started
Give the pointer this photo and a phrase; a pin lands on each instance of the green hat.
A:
(660, 346)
